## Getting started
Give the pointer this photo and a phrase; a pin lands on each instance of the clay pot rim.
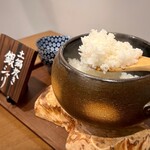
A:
(80, 73)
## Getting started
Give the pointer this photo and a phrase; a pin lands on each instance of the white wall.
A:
(20, 18)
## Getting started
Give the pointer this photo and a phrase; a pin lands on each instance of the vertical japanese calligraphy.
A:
(16, 64)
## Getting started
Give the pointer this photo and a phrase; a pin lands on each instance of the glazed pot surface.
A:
(103, 103)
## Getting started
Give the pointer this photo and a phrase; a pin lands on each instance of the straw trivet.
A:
(47, 107)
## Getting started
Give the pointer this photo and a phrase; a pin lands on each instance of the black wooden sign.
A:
(16, 64)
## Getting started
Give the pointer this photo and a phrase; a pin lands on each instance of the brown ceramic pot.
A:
(101, 103)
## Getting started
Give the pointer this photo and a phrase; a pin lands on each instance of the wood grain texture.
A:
(12, 48)
(53, 135)
(40, 79)
(48, 108)
(15, 136)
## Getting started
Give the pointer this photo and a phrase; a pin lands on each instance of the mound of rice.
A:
(109, 75)
(102, 50)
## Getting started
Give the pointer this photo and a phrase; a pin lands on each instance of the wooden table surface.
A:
(14, 135)
(19, 127)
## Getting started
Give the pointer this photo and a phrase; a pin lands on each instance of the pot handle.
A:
(146, 109)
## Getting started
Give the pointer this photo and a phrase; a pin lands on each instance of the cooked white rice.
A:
(102, 50)
(125, 75)
(109, 75)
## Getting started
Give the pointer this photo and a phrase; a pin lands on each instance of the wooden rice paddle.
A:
(143, 64)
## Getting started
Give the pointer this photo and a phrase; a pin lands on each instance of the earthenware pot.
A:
(109, 104)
